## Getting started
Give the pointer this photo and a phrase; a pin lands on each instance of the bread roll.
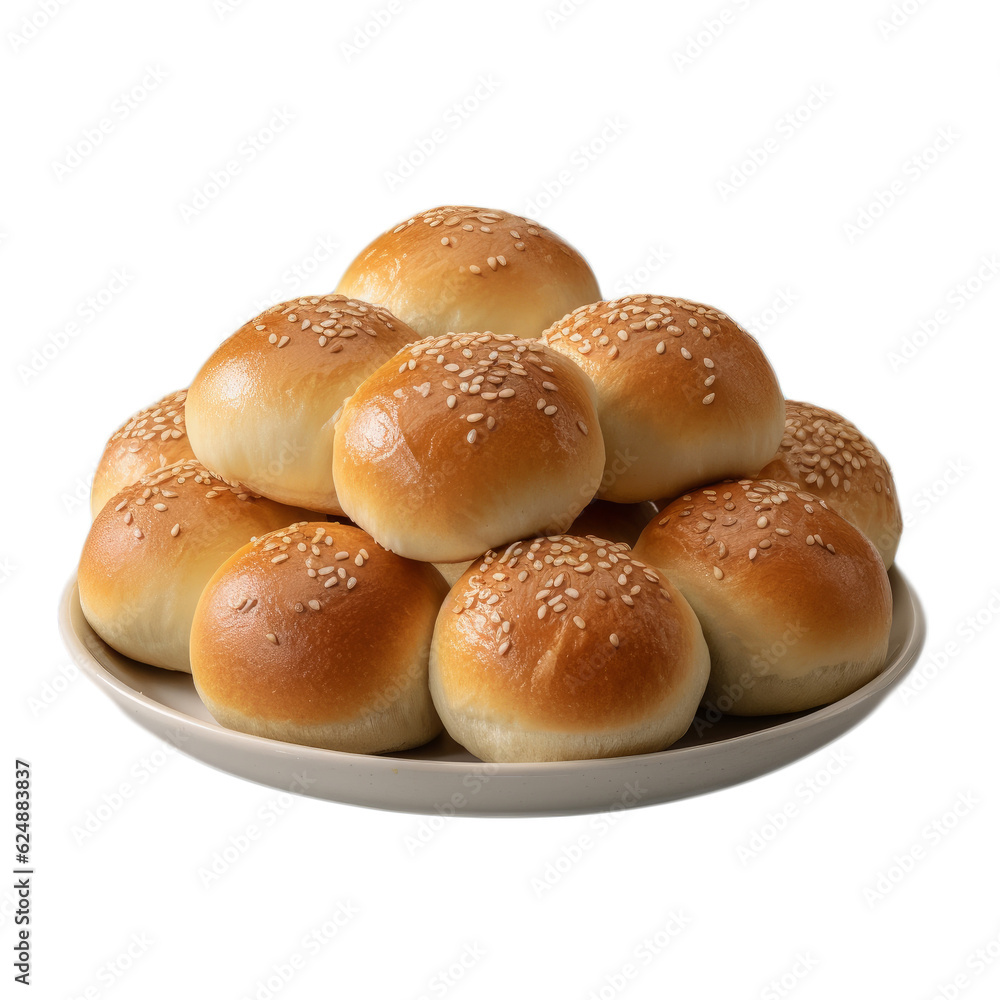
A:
(466, 442)
(463, 269)
(685, 394)
(314, 634)
(793, 600)
(263, 407)
(566, 648)
(150, 440)
(153, 547)
(824, 453)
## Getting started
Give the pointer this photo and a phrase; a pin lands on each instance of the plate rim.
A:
(123, 695)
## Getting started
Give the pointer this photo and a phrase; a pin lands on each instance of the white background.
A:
(590, 122)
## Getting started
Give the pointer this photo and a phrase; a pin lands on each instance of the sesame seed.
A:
(281, 558)
(579, 622)
(504, 646)
(352, 583)
(708, 399)
(628, 600)
(542, 610)
(271, 637)
(314, 605)
(175, 530)
(718, 572)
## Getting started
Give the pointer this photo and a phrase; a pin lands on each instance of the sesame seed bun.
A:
(314, 634)
(263, 407)
(154, 546)
(823, 452)
(686, 395)
(465, 442)
(566, 648)
(794, 601)
(463, 269)
(151, 439)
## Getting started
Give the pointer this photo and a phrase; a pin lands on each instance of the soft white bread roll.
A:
(314, 634)
(686, 395)
(465, 442)
(566, 648)
(153, 547)
(150, 440)
(617, 522)
(793, 599)
(824, 453)
(263, 407)
(463, 268)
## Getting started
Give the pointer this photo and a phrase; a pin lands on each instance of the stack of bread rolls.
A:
(464, 492)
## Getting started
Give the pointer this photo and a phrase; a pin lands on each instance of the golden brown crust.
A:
(153, 547)
(564, 646)
(316, 633)
(823, 452)
(151, 439)
(262, 409)
(459, 269)
(464, 442)
(760, 560)
(685, 394)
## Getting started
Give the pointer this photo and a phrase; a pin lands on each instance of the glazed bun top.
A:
(567, 632)
(777, 556)
(465, 442)
(684, 392)
(459, 268)
(317, 622)
(262, 409)
(151, 439)
(827, 454)
(153, 547)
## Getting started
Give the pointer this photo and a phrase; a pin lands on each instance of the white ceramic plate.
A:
(443, 778)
